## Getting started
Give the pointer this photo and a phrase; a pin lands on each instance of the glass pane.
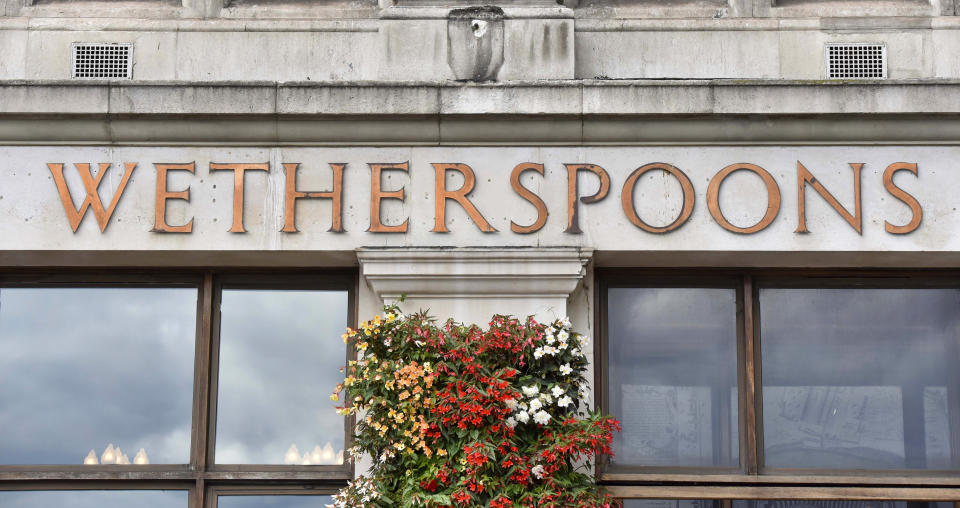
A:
(673, 375)
(84, 370)
(838, 504)
(280, 357)
(95, 499)
(669, 503)
(273, 501)
(860, 378)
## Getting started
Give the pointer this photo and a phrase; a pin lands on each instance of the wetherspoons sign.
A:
(79, 203)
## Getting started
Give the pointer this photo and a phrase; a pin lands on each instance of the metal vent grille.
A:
(102, 60)
(856, 61)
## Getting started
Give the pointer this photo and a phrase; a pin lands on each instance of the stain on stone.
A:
(546, 41)
(564, 39)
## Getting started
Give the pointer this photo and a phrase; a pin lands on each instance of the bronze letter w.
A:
(91, 184)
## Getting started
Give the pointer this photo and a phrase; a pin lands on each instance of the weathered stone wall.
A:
(205, 40)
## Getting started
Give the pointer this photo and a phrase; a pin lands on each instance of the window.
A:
(670, 503)
(77, 386)
(172, 390)
(673, 380)
(94, 498)
(275, 375)
(859, 378)
(802, 382)
(673, 503)
(289, 501)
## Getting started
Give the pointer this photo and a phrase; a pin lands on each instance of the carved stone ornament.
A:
(475, 42)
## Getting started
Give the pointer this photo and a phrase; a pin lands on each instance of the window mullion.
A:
(201, 391)
(750, 397)
(213, 374)
(197, 499)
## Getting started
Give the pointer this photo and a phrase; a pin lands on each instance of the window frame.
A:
(752, 481)
(201, 477)
(216, 491)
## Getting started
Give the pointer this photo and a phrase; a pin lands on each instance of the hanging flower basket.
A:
(454, 415)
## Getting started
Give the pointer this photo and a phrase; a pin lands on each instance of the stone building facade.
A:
(191, 193)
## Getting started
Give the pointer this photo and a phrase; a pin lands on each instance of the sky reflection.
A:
(280, 357)
(83, 368)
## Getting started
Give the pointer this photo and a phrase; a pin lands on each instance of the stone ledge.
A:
(172, 24)
(509, 12)
(473, 130)
(588, 20)
(574, 97)
(431, 113)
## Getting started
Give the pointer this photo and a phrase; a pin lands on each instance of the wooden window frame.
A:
(203, 479)
(751, 481)
(214, 492)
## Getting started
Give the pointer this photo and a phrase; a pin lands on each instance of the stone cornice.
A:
(574, 97)
(541, 112)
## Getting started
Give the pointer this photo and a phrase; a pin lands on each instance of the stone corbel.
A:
(472, 284)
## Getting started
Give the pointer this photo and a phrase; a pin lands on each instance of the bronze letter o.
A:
(626, 197)
(773, 198)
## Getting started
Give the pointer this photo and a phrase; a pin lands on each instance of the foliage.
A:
(454, 415)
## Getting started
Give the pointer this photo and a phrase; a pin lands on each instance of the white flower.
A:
(550, 330)
(538, 353)
(523, 417)
(577, 352)
(531, 391)
(550, 339)
(550, 350)
(565, 322)
(537, 471)
(541, 417)
(585, 395)
(565, 369)
(561, 346)
(546, 398)
(564, 401)
(557, 391)
(535, 404)
(511, 403)
(511, 422)
(522, 406)
(563, 336)
(583, 340)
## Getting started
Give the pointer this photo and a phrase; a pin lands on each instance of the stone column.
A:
(472, 284)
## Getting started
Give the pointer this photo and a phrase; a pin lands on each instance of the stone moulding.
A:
(515, 113)
(473, 272)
